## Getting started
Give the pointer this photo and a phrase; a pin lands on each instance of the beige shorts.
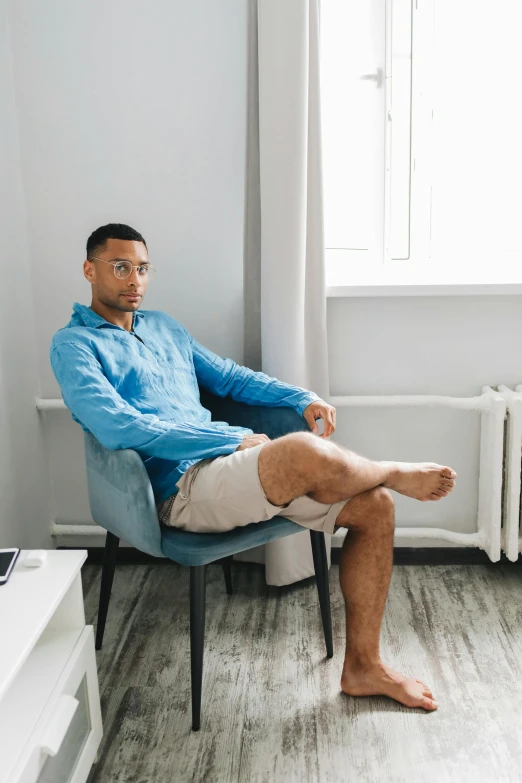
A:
(221, 493)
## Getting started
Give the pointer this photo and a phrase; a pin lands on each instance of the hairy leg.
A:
(365, 570)
(303, 464)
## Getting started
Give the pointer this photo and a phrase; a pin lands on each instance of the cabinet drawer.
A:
(66, 736)
(64, 743)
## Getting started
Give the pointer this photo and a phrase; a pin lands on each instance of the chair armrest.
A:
(273, 422)
(121, 496)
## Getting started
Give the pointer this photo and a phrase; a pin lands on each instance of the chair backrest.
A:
(121, 496)
(273, 422)
(120, 492)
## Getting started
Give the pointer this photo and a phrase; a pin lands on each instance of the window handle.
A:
(373, 77)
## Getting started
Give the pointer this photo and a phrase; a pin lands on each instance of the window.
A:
(422, 122)
(352, 80)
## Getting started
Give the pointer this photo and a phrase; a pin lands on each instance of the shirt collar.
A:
(89, 318)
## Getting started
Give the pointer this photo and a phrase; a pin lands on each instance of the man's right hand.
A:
(252, 440)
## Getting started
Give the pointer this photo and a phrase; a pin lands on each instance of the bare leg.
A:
(299, 464)
(365, 570)
(303, 464)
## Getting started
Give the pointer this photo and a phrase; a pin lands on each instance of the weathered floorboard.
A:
(272, 707)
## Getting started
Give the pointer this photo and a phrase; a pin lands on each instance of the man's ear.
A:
(88, 270)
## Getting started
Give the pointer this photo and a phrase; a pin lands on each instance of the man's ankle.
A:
(359, 660)
(389, 473)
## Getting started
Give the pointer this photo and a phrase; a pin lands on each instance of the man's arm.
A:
(227, 379)
(117, 425)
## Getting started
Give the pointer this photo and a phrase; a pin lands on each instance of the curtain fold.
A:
(285, 298)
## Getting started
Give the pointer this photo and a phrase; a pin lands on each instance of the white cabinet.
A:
(50, 718)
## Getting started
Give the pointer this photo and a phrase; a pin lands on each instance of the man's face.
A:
(112, 291)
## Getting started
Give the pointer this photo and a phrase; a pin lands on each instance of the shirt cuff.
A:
(306, 401)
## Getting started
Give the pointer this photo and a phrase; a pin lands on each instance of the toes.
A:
(426, 690)
(448, 473)
(428, 704)
(433, 496)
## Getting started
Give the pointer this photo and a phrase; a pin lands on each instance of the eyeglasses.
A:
(123, 268)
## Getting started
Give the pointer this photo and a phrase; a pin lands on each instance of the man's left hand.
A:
(320, 410)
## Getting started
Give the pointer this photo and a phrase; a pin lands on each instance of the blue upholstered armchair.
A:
(126, 509)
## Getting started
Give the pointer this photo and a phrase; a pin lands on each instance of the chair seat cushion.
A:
(191, 549)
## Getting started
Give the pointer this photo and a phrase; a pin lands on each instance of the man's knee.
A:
(382, 500)
(289, 466)
(373, 508)
(305, 451)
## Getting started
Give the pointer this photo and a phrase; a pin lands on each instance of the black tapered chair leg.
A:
(109, 564)
(198, 578)
(323, 586)
(227, 571)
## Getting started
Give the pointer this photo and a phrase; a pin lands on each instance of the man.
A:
(131, 377)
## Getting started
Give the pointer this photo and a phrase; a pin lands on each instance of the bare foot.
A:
(381, 680)
(420, 480)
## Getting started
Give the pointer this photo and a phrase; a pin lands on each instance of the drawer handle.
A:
(55, 732)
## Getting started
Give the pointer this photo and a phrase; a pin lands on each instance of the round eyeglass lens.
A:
(124, 268)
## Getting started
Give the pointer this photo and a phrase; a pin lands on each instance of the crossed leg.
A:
(302, 463)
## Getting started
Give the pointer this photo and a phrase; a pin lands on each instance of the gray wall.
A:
(24, 497)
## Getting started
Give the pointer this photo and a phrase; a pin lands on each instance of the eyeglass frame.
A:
(114, 262)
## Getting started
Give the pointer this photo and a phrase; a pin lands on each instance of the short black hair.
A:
(99, 237)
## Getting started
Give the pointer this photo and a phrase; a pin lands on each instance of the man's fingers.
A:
(312, 423)
(324, 412)
(249, 441)
(329, 425)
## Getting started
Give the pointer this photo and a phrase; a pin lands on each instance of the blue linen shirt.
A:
(143, 394)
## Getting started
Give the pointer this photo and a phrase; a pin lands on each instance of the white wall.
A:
(131, 112)
(423, 345)
(24, 509)
(136, 112)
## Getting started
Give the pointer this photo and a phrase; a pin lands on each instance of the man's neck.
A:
(113, 316)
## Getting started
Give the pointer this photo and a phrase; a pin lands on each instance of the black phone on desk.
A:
(7, 562)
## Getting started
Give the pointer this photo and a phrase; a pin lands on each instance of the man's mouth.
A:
(132, 297)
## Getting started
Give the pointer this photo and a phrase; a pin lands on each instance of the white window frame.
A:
(398, 137)
(405, 265)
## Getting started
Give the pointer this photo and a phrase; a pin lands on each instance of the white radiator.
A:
(511, 530)
(492, 407)
(491, 404)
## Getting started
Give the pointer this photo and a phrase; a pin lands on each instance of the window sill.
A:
(423, 289)
(438, 280)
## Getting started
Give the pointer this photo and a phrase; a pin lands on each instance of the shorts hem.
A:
(332, 514)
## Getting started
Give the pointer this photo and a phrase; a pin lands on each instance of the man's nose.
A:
(134, 276)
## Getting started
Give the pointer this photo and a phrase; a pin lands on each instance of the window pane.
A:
(352, 121)
(399, 130)
(476, 158)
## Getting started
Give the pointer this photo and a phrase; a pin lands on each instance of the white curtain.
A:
(285, 301)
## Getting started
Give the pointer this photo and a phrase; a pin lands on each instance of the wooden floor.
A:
(272, 707)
